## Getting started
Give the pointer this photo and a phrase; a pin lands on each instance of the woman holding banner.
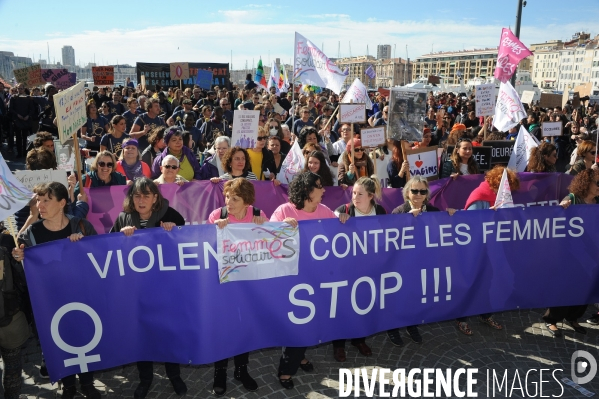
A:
(239, 199)
(55, 225)
(305, 195)
(461, 160)
(145, 207)
(103, 173)
(236, 163)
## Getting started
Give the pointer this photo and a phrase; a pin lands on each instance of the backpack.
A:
(13, 287)
(224, 213)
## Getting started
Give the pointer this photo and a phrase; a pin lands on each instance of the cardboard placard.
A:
(550, 129)
(502, 150)
(373, 136)
(481, 154)
(584, 90)
(565, 96)
(485, 99)
(245, 128)
(549, 100)
(352, 113)
(70, 111)
(103, 75)
(179, 70)
(29, 76)
(407, 109)
(435, 80)
(31, 178)
(423, 162)
(204, 79)
(527, 96)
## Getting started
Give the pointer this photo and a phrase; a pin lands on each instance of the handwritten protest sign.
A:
(179, 70)
(423, 162)
(70, 111)
(501, 150)
(245, 128)
(31, 178)
(485, 99)
(352, 113)
(29, 76)
(373, 137)
(60, 78)
(527, 96)
(204, 79)
(551, 129)
(103, 75)
(549, 100)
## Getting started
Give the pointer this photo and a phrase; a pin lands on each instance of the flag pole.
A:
(331, 118)
(353, 155)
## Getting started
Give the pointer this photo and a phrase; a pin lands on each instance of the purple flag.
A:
(370, 72)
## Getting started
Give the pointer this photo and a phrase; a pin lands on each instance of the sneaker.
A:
(68, 392)
(242, 375)
(91, 392)
(142, 389)
(179, 386)
(594, 319)
(220, 381)
(394, 337)
(414, 334)
(44, 370)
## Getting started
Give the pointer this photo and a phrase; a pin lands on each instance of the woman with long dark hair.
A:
(542, 159)
(398, 168)
(461, 160)
(316, 163)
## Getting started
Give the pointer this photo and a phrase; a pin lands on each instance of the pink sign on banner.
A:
(511, 52)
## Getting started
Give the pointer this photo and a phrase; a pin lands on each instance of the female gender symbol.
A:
(81, 360)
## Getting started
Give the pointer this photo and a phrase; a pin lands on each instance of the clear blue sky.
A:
(201, 31)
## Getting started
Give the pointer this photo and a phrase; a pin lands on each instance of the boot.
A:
(220, 381)
(242, 375)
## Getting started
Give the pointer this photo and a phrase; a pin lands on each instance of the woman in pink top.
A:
(239, 197)
(305, 194)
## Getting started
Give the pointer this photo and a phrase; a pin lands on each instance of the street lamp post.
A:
(521, 3)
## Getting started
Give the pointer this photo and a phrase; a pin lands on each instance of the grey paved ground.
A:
(523, 344)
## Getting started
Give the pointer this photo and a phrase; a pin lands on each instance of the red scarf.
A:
(481, 193)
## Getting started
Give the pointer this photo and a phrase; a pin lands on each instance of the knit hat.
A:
(170, 132)
(458, 126)
(131, 142)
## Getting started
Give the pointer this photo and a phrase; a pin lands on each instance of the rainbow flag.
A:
(259, 77)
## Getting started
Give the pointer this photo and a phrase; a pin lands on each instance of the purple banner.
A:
(197, 199)
(111, 300)
(60, 78)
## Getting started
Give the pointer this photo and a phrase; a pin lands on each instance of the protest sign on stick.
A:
(423, 162)
(103, 75)
(501, 150)
(551, 129)
(60, 78)
(29, 76)
(373, 136)
(204, 79)
(407, 109)
(527, 96)
(352, 113)
(550, 100)
(179, 70)
(245, 128)
(31, 178)
(485, 99)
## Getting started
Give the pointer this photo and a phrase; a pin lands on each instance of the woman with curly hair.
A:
(236, 163)
(483, 197)
(461, 160)
(316, 163)
(305, 195)
(542, 159)
(584, 189)
(585, 158)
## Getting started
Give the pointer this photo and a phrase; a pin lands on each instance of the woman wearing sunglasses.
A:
(585, 159)
(168, 172)
(103, 173)
(362, 166)
(461, 161)
(262, 159)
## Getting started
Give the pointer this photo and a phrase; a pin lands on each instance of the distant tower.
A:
(383, 51)
(68, 56)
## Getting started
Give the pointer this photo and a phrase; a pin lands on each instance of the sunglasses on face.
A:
(421, 192)
(103, 164)
(173, 167)
(358, 149)
(260, 138)
(593, 152)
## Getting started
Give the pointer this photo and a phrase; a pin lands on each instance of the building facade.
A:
(356, 67)
(393, 72)
(10, 62)
(383, 51)
(68, 56)
(452, 65)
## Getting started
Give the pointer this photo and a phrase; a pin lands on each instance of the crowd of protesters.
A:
(144, 138)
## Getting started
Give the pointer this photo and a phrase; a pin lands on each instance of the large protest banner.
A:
(60, 78)
(70, 111)
(511, 51)
(160, 74)
(30, 76)
(407, 109)
(108, 301)
(312, 67)
(103, 75)
(197, 199)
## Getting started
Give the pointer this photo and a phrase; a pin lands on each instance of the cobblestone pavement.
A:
(523, 344)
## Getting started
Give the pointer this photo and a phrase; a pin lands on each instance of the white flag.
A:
(273, 80)
(521, 153)
(285, 87)
(508, 108)
(359, 93)
(313, 67)
(504, 194)
(292, 164)
(14, 194)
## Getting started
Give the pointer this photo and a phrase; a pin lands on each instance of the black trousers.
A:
(12, 371)
(558, 313)
(291, 359)
(340, 343)
(240, 360)
(84, 379)
(146, 370)
(21, 134)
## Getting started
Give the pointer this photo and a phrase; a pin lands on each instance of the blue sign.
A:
(111, 300)
(204, 79)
